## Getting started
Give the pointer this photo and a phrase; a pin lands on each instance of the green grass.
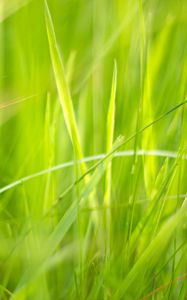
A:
(93, 156)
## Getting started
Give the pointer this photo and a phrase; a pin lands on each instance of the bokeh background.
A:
(148, 41)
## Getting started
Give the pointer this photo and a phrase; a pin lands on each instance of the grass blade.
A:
(109, 142)
(62, 87)
(110, 134)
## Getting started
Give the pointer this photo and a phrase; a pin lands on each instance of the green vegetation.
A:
(93, 156)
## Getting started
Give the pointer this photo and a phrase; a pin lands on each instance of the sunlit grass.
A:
(93, 153)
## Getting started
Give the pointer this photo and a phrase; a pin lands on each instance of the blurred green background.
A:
(148, 40)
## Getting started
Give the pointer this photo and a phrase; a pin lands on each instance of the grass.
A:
(93, 155)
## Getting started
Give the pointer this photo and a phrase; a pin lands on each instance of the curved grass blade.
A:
(126, 153)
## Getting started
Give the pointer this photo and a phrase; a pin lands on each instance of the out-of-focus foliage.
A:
(74, 77)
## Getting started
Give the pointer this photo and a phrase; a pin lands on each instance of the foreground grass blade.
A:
(110, 134)
(66, 101)
(63, 89)
(109, 142)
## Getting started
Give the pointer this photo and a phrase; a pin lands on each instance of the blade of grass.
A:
(49, 146)
(67, 104)
(126, 153)
(110, 134)
(62, 87)
(16, 101)
(67, 108)
(109, 142)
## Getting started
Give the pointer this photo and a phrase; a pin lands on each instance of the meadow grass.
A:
(93, 153)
